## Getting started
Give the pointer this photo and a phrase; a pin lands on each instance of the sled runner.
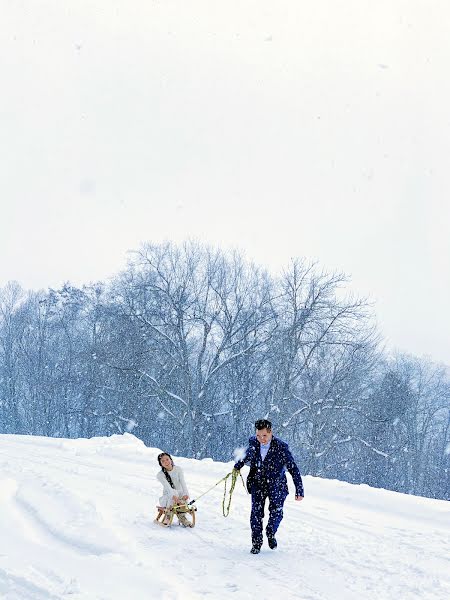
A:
(185, 515)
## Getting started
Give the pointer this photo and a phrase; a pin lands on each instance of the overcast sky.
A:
(316, 129)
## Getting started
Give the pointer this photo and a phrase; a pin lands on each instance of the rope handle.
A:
(234, 475)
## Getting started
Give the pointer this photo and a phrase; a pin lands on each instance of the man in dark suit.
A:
(269, 458)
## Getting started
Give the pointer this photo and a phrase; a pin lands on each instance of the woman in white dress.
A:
(175, 491)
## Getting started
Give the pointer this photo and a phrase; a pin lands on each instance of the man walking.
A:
(269, 458)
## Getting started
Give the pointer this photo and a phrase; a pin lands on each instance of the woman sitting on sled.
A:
(175, 492)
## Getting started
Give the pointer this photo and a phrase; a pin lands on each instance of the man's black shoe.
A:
(255, 550)
(271, 540)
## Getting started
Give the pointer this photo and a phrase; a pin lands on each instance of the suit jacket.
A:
(271, 473)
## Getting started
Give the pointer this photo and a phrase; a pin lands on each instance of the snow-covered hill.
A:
(76, 522)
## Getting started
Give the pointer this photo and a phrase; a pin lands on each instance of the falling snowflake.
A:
(130, 425)
(239, 453)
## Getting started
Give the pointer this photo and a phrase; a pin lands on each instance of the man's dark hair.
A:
(263, 424)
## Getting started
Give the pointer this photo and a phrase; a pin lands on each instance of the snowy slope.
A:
(76, 522)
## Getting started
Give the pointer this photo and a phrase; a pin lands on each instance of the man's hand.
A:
(184, 497)
(298, 498)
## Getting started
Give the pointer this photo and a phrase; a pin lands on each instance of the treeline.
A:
(189, 345)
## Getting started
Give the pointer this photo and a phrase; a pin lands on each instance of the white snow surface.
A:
(76, 522)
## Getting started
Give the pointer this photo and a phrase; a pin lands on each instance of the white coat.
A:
(180, 489)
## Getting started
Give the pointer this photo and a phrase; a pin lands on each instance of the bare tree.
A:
(199, 313)
(11, 331)
(323, 348)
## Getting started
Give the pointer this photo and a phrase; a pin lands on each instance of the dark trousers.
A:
(276, 501)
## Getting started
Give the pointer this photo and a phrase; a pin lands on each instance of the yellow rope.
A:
(234, 475)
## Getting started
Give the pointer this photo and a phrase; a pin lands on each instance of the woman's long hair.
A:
(165, 471)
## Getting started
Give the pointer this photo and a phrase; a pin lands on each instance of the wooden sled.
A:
(165, 516)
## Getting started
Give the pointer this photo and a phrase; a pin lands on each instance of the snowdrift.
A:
(76, 522)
